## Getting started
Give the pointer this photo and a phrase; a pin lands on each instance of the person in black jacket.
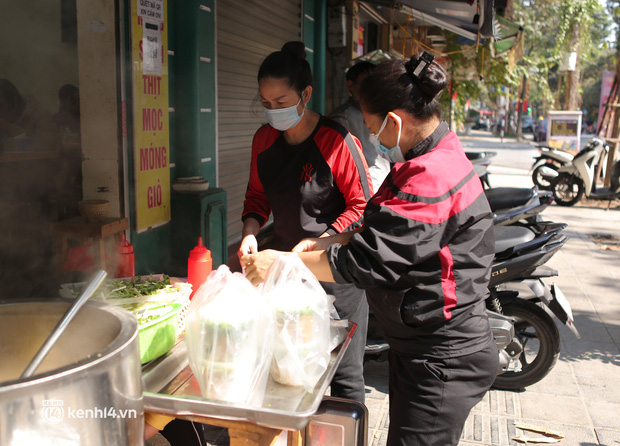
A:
(423, 255)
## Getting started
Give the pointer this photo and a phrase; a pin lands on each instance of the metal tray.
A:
(171, 388)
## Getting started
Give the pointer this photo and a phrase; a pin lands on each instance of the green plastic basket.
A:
(158, 335)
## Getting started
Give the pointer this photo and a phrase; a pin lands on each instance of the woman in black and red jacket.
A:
(423, 256)
(310, 173)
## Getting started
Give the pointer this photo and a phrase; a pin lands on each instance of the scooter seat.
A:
(507, 237)
(474, 155)
(508, 197)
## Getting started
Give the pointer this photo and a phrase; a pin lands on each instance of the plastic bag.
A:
(302, 339)
(229, 337)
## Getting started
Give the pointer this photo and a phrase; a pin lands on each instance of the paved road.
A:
(509, 153)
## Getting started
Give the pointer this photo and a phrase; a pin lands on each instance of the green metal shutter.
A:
(247, 32)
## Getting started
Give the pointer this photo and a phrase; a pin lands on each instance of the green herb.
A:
(128, 288)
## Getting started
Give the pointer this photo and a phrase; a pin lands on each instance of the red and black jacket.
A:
(319, 185)
(425, 252)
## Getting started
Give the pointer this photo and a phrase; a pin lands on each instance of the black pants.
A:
(430, 399)
(351, 304)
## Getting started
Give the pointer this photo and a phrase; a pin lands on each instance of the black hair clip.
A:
(423, 62)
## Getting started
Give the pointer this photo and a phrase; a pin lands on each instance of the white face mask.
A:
(284, 118)
(395, 154)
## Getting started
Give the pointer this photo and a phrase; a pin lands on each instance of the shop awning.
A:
(460, 17)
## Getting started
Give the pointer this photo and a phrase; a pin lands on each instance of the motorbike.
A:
(521, 255)
(526, 336)
(511, 205)
(578, 178)
(481, 162)
(546, 165)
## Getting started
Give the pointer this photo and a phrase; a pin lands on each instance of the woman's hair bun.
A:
(430, 78)
(295, 48)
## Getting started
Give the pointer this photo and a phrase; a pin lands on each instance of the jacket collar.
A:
(429, 143)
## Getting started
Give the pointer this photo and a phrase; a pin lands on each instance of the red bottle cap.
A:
(124, 247)
(200, 252)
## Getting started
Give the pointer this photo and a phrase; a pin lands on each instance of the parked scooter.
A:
(526, 336)
(546, 165)
(481, 162)
(578, 178)
(535, 348)
(511, 205)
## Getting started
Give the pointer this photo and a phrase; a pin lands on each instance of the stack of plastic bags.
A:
(238, 334)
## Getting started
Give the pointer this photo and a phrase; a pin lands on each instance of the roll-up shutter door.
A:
(247, 31)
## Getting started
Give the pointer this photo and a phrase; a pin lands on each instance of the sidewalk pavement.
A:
(581, 395)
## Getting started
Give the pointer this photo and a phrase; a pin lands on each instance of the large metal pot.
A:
(88, 391)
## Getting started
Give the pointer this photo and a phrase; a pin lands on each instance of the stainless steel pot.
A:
(88, 391)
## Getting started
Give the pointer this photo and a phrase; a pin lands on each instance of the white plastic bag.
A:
(229, 336)
(301, 306)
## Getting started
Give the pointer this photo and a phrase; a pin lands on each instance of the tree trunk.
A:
(572, 97)
(520, 110)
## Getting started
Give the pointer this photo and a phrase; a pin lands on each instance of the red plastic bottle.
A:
(199, 266)
(125, 264)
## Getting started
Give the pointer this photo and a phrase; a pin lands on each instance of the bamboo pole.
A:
(615, 141)
(603, 124)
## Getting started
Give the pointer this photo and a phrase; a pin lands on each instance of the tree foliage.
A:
(547, 31)
(548, 27)
(493, 71)
(575, 14)
(614, 8)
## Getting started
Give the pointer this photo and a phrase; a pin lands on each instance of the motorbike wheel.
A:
(567, 189)
(540, 338)
(541, 174)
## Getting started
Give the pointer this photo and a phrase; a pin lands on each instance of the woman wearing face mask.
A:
(310, 173)
(423, 255)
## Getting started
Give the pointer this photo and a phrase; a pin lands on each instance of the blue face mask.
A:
(284, 118)
(395, 154)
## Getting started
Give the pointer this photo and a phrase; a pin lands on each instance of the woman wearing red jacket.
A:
(423, 255)
(310, 173)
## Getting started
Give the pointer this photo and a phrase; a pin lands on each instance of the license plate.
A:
(563, 310)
